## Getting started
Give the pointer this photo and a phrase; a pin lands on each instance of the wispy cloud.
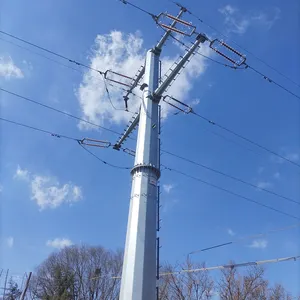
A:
(267, 19)
(21, 174)
(10, 241)
(8, 69)
(236, 22)
(259, 244)
(59, 243)
(227, 10)
(264, 184)
(47, 192)
(230, 232)
(168, 187)
(195, 102)
(125, 54)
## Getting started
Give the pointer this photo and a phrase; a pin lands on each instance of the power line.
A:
(67, 66)
(243, 48)
(103, 161)
(228, 191)
(241, 239)
(245, 66)
(91, 123)
(112, 165)
(110, 100)
(233, 266)
(59, 55)
(229, 176)
(63, 136)
(40, 130)
(231, 192)
(41, 55)
(216, 133)
(139, 8)
(51, 52)
(272, 81)
(220, 267)
(108, 95)
(79, 141)
(211, 122)
(245, 138)
(59, 111)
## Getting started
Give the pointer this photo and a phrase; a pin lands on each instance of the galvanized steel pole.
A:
(139, 265)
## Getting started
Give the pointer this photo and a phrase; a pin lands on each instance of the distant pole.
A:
(26, 287)
(4, 292)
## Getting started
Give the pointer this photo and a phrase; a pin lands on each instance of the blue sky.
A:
(53, 193)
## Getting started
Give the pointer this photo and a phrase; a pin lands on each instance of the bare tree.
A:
(86, 273)
(278, 292)
(251, 285)
(185, 285)
(13, 291)
(78, 272)
(234, 286)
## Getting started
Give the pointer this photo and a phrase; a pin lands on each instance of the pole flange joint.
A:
(202, 37)
(144, 167)
(156, 50)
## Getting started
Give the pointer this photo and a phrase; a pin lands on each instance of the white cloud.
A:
(168, 187)
(47, 192)
(264, 184)
(276, 175)
(259, 244)
(8, 69)
(125, 54)
(21, 174)
(239, 23)
(10, 241)
(230, 232)
(59, 243)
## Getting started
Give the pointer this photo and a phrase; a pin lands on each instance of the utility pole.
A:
(139, 274)
(26, 287)
(4, 291)
(140, 249)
